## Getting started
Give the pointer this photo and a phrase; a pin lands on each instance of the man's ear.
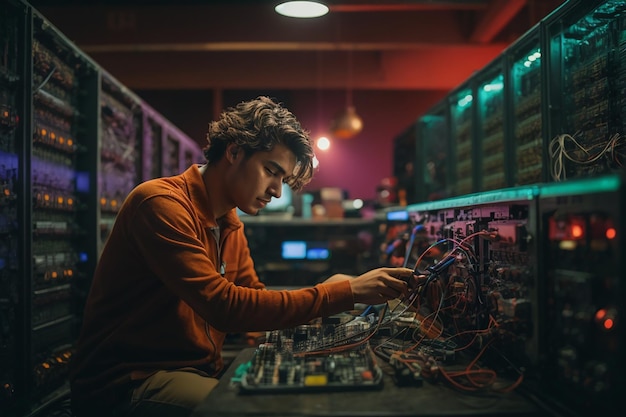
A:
(232, 152)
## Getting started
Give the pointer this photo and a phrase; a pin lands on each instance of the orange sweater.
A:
(158, 300)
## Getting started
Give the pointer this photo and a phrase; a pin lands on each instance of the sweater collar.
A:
(200, 198)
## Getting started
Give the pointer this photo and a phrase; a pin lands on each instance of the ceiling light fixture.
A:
(347, 124)
(302, 9)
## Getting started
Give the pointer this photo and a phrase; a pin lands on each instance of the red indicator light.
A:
(608, 324)
(577, 231)
(611, 233)
(600, 314)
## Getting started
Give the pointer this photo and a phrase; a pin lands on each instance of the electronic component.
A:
(461, 117)
(60, 219)
(317, 357)
(314, 358)
(473, 299)
(119, 154)
(491, 99)
(524, 282)
(590, 139)
(527, 89)
(584, 275)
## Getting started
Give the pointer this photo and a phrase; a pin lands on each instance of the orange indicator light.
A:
(577, 231)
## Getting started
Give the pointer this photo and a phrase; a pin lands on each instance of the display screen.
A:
(401, 215)
(294, 250)
(298, 249)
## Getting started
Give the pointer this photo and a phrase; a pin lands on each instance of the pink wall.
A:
(359, 164)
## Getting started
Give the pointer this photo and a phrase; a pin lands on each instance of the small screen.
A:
(294, 249)
(299, 249)
(398, 215)
(317, 253)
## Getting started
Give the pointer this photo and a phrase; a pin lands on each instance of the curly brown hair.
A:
(258, 126)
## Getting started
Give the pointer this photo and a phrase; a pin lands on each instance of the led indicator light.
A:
(611, 233)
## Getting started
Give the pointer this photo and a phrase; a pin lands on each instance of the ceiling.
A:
(360, 44)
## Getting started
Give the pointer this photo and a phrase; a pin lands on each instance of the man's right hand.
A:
(379, 285)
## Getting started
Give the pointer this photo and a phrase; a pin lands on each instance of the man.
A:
(176, 273)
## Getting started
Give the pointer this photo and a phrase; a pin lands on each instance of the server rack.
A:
(14, 101)
(552, 274)
(166, 150)
(191, 153)
(404, 149)
(524, 64)
(432, 156)
(120, 165)
(171, 153)
(497, 230)
(421, 158)
(462, 111)
(502, 279)
(558, 111)
(60, 149)
(71, 148)
(152, 141)
(583, 295)
(491, 156)
(587, 75)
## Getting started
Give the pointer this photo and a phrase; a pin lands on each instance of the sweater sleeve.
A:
(166, 237)
(240, 263)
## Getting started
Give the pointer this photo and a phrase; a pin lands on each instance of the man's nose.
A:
(276, 190)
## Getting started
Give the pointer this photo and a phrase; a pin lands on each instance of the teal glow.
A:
(584, 186)
(496, 196)
(465, 101)
(533, 59)
(493, 87)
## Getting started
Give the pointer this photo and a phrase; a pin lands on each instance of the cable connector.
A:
(442, 265)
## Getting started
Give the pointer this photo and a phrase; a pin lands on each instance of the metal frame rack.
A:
(72, 145)
(536, 283)
(554, 110)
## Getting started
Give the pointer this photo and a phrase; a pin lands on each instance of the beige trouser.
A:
(170, 393)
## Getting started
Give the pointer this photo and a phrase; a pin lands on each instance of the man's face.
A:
(259, 178)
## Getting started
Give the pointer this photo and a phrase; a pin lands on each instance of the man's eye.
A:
(269, 171)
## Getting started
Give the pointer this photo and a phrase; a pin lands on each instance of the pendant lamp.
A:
(347, 123)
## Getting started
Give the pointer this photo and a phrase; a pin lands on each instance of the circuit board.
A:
(310, 358)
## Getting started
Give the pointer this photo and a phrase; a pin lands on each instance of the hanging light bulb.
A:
(347, 124)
